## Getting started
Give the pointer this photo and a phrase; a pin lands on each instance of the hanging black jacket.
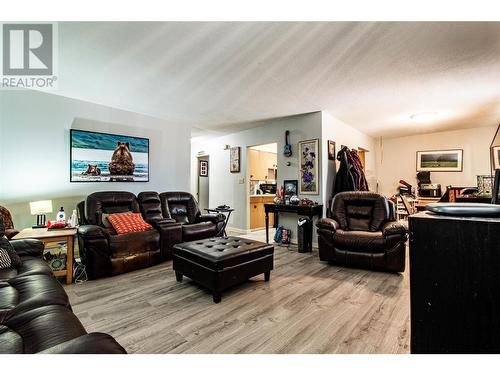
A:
(344, 180)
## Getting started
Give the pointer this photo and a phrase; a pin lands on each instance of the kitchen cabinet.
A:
(262, 165)
(257, 213)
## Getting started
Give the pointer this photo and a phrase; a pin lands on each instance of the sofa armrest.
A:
(28, 247)
(328, 224)
(214, 218)
(91, 343)
(394, 228)
(157, 223)
(93, 231)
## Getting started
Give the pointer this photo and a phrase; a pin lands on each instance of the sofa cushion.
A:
(128, 223)
(43, 327)
(29, 266)
(192, 232)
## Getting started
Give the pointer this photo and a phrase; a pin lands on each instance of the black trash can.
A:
(304, 234)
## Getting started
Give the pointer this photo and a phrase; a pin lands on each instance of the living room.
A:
(250, 187)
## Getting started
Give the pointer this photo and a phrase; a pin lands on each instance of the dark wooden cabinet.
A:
(455, 284)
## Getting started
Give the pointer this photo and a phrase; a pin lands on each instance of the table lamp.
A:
(40, 208)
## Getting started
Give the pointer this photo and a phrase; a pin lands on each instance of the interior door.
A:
(203, 184)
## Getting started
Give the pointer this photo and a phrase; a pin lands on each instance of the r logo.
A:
(27, 49)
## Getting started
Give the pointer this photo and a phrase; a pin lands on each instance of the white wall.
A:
(398, 157)
(232, 188)
(34, 150)
(343, 134)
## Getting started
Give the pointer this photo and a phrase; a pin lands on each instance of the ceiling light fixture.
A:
(424, 116)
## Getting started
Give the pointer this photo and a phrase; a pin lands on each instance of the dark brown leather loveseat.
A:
(183, 208)
(175, 217)
(35, 313)
(363, 232)
(102, 250)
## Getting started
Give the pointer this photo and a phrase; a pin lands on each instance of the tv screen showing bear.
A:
(102, 157)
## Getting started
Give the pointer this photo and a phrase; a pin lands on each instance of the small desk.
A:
(47, 236)
(309, 211)
(217, 210)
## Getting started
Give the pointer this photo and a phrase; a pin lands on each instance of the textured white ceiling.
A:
(220, 76)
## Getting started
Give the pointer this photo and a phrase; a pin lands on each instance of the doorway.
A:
(203, 181)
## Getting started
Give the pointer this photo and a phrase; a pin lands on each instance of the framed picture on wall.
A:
(103, 157)
(234, 159)
(203, 168)
(309, 167)
(290, 187)
(440, 161)
(331, 150)
(496, 157)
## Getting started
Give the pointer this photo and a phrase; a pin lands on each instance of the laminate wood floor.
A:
(308, 307)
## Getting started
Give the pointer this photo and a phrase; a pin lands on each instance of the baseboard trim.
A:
(238, 230)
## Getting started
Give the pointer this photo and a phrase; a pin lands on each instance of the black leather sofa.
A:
(102, 250)
(184, 209)
(35, 313)
(362, 232)
(175, 217)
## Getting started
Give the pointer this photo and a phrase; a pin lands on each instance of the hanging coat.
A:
(344, 180)
(357, 171)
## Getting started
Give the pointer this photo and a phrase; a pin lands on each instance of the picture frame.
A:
(439, 160)
(108, 157)
(234, 159)
(496, 157)
(332, 155)
(309, 160)
(290, 187)
(203, 168)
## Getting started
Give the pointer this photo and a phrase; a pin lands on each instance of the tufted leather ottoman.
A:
(221, 262)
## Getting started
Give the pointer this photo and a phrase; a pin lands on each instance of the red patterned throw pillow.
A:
(127, 223)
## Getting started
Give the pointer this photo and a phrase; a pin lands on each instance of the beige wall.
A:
(397, 157)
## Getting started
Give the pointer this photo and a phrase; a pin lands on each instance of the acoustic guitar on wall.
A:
(287, 150)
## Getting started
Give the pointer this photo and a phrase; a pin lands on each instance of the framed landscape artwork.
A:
(309, 167)
(440, 161)
(234, 159)
(103, 157)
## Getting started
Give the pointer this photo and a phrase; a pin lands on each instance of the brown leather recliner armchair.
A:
(103, 251)
(362, 232)
(183, 208)
(10, 231)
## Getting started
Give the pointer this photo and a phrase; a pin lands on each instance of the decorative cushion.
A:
(105, 221)
(8, 256)
(127, 223)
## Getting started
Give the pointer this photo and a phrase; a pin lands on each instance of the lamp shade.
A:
(40, 207)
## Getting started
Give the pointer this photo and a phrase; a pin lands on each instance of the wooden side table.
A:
(46, 236)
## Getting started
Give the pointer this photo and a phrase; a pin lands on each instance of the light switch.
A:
(241, 181)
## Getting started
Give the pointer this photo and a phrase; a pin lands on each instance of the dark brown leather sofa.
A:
(362, 232)
(175, 217)
(106, 253)
(35, 313)
(183, 208)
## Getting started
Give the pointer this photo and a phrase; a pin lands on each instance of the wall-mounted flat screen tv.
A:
(103, 157)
